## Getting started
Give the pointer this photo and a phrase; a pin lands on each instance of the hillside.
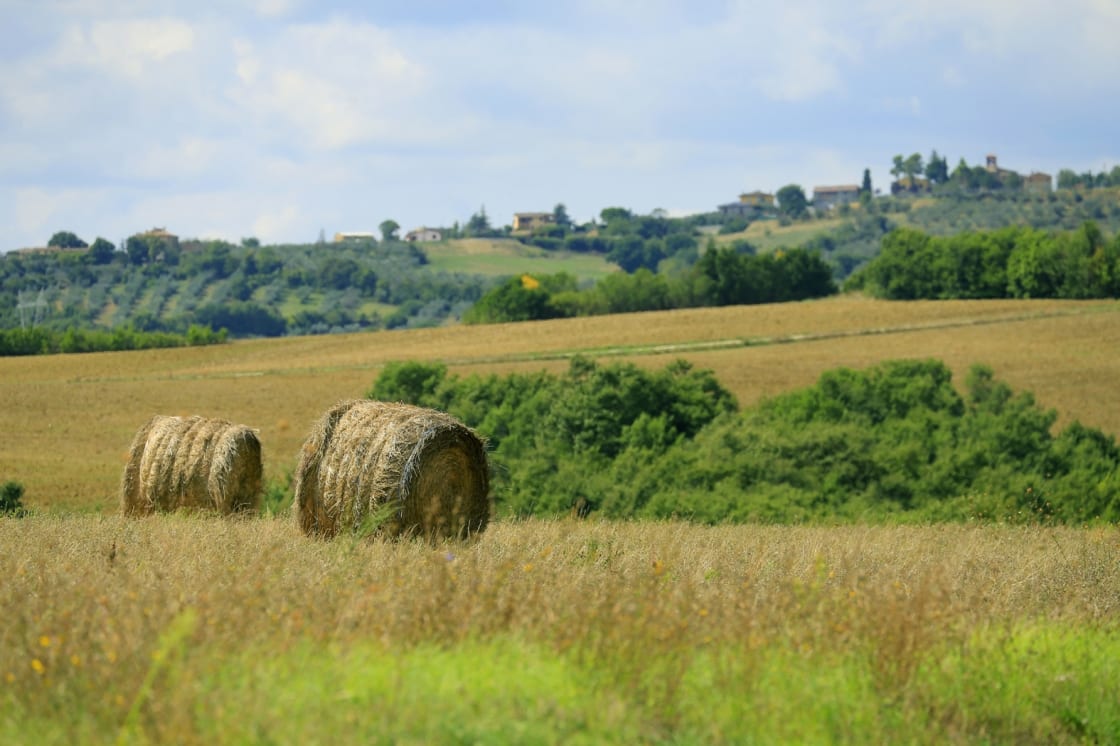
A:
(276, 290)
(273, 290)
(72, 417)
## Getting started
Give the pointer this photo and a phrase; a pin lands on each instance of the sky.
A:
(281, 119)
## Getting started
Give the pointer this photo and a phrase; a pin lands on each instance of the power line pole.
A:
(35, 306)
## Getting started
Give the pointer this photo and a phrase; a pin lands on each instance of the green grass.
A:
(499, 257)
(1037, 684)
(767, 235)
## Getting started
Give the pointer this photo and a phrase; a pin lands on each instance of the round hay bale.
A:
(192, 462)
(396, 468)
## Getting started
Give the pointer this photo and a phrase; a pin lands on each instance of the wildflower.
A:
(529, 282)
(37, 666)
(528, 567)
(75, 661)
(45, 641)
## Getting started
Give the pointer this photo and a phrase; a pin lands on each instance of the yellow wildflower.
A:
(529, 282)
(38, 666)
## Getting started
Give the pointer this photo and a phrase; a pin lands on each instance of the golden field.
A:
(200, 630)
(67, 420)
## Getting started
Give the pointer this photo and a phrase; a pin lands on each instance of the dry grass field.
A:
(184, 629)
(67, 420)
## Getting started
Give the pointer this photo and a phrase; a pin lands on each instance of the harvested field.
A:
(1066, 352)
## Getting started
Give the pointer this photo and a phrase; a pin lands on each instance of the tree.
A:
(897, 167)
(101, 252)
(560, 216)
(1067, 179)
(615, 215)
(66, 240)
(937, 169)
(139, 252)
(389, 230)
(251, 242)
(792, 201)
(912, 166)
(865, 188)
(479, 224)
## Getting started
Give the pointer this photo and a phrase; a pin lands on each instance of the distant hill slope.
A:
(499, 257)
(352, 286)
(273, 290)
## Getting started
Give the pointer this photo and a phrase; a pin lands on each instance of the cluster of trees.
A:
(41, 341)
(896, 442)
(913, 173)
(1014, 262)
(732, 275)
(631, 241)
(1070, 179)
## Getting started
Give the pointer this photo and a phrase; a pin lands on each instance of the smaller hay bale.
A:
(406, 469)
(194, 463)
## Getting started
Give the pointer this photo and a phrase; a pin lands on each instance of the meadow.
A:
(504, 256)
(185, 629)
(194, 629)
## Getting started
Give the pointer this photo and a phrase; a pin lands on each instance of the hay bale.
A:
(408, 469)
(192, 462)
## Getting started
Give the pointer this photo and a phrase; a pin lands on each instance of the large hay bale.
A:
(406, 469)
(192, 462)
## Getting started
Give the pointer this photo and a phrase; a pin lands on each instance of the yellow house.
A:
(343, 237)
(757, 199)
(528, 221)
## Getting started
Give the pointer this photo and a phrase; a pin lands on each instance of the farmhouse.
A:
(422, 235)
(828, 197)
(528, 221)
(1038, 183)
(354, 236)
(750, 204)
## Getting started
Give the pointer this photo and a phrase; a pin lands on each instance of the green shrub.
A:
(11, 500)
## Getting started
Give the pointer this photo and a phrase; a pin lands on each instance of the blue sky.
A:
(281, 118)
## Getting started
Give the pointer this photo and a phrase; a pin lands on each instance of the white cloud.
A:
(124, 47)
(233, 119)
(186, 157)
(36, 213)
(349, 84)
(274, 8)
(277, 226)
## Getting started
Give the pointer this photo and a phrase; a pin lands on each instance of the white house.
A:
(422, 235)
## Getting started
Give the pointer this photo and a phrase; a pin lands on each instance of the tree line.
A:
(41, 341)
(896, 442)
(1013, 262)
(723, 276)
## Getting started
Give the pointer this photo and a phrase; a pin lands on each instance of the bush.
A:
(896, 442)
(11, 500)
